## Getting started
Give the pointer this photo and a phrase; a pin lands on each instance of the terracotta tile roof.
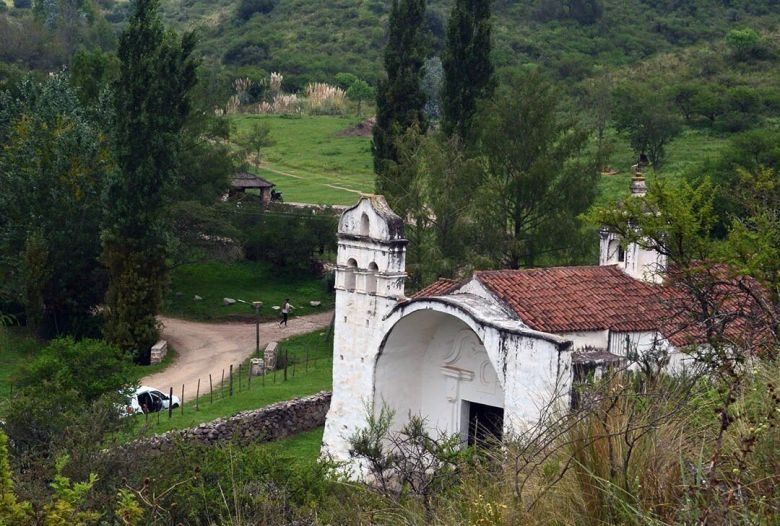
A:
(572, 299)
(585, 299)
(440, 287)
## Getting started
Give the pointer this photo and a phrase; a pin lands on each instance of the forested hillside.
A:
(313, 41)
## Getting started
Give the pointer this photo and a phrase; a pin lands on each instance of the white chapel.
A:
(495, 348)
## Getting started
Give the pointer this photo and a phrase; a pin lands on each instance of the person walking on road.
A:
(286, 308)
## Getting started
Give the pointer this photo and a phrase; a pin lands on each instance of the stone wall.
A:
(274, 422)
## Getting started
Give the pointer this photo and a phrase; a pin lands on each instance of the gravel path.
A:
(204, 348)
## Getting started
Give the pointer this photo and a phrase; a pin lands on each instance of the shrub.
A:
(247, 8)
(244, 53)
(90, 367)
(22, 4)
(288, 240)
(73, 386)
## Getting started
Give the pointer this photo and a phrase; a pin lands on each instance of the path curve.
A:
(208, 348)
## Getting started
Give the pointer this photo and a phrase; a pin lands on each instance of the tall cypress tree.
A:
(468, 71)
(400, 99)
(151, 103)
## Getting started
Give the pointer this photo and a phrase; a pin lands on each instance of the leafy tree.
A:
(359, 91)
(584, 11)
(91, 72)
(683, 96)
(468, 70)
(744, 44)
(257, 139)
(436, 183)
(345, 80)
(151, 100)
(644, 116)
(54, 162)
(536, 183)
(205, 158)
(678, 220)
(744, 99)
(709, 102)
(400, 99)
(598, 100)
(746, 152)
(449, 180)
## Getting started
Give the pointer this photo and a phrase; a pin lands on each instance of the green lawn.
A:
(244, 280)
(17, 347)
(310, 163)
(322, 167)
(303, 381)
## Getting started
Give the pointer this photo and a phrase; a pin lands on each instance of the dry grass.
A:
(324, 99)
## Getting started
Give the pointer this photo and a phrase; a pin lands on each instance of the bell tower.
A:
(370, 275)
(636, 261)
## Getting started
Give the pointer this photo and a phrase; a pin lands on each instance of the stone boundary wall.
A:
(273, 422)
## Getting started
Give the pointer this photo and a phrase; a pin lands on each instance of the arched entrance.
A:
(433, 364)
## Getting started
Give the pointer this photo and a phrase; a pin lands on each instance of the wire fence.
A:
(238, 378)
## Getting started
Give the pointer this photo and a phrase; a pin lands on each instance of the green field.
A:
(323, 168)
(303, 381)
(310, 163)
(243, 280)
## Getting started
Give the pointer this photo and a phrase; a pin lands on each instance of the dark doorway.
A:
(486, 424)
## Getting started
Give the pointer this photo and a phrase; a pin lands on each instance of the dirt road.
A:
(204, 348)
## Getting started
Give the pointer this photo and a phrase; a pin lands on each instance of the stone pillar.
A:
(270, 355)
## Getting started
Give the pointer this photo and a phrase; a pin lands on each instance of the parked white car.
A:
(150, 400)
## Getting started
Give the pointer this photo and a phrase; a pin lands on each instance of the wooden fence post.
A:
(181, 401)
(286, 363)
(231, 380)
(170, 403)
(197, 395)
(211, 389)
(222, 385)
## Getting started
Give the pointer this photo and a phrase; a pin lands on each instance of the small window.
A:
(373, 270)
(364, 225)
(349, 274)
(615, 252)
